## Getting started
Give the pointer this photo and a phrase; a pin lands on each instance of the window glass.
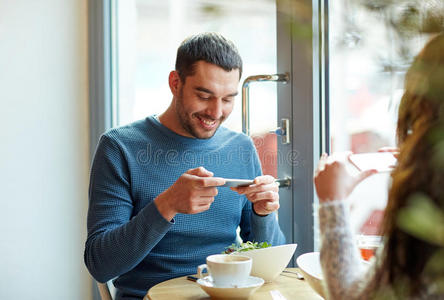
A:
(367, 67)
(149, 32)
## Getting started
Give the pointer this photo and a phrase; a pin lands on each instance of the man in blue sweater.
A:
(156, 208)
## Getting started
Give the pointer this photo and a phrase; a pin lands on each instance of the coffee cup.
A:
(227, 270)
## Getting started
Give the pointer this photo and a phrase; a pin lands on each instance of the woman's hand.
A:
(392, 150)
(333, 181)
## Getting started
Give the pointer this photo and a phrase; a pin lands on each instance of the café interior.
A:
(318, 77)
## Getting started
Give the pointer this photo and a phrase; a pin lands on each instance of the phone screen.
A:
(381, 161)
(237, 182)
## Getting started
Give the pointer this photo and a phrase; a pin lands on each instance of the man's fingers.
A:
(266, 207)
(200, 171)
(268, 195)
(205, 182)
(255, 188)
(203, 178)
(264, 179)
(201, 191)
(271, 206)
(200, 208)
(200, 204)
(205, 200)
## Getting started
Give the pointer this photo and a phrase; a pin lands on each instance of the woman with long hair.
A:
(410, 264)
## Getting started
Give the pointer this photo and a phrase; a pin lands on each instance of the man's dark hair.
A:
(209, 47)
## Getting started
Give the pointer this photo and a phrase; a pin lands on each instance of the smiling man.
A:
(156, 205)
(201, 101)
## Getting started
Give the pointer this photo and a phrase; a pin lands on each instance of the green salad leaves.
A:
(245, 247)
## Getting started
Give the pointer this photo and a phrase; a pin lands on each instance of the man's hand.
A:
(192, 193)
(333, 181)
(263, 193)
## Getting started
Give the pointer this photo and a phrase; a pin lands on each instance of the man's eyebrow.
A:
(202, 89)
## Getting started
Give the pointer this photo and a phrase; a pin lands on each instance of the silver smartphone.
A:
(237, 182)
(381, 161)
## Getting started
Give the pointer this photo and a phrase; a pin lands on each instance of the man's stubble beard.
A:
(186, 122)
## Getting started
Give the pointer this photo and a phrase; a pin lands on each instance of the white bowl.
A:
(269, 262)
(310, 266)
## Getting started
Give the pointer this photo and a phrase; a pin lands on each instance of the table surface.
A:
(183, 289)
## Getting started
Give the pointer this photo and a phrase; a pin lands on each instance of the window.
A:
(149, 32)
(366, 84)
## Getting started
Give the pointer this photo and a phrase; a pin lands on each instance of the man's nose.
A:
(214, 109)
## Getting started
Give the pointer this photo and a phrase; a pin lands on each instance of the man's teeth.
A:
(208, 122)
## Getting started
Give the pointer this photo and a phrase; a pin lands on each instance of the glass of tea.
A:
(368, 244)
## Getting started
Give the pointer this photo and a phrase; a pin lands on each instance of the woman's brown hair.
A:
(420, 170)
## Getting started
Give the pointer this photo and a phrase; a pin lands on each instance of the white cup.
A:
(227, 270)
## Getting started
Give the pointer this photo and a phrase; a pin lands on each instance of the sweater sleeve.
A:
(340, 259)
(117, 240)
(266, 228)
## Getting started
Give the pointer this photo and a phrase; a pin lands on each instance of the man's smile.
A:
(206, 123)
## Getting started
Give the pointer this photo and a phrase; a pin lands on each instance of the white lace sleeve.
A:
(340, 259)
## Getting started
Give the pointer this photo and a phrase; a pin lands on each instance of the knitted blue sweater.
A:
(129, 240)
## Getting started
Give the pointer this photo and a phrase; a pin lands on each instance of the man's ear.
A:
(174, 82)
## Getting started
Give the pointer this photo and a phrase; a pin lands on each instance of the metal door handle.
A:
(284, 182)
(284, 130)
(246, 97)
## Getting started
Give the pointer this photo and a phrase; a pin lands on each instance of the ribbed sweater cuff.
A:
(152, 216)
(262, 221)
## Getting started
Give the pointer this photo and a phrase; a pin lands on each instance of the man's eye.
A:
(228, 100)
(202, 97)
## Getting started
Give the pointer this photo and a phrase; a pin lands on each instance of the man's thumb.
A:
(200, 171)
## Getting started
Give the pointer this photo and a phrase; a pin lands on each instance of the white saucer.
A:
(239, 292)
